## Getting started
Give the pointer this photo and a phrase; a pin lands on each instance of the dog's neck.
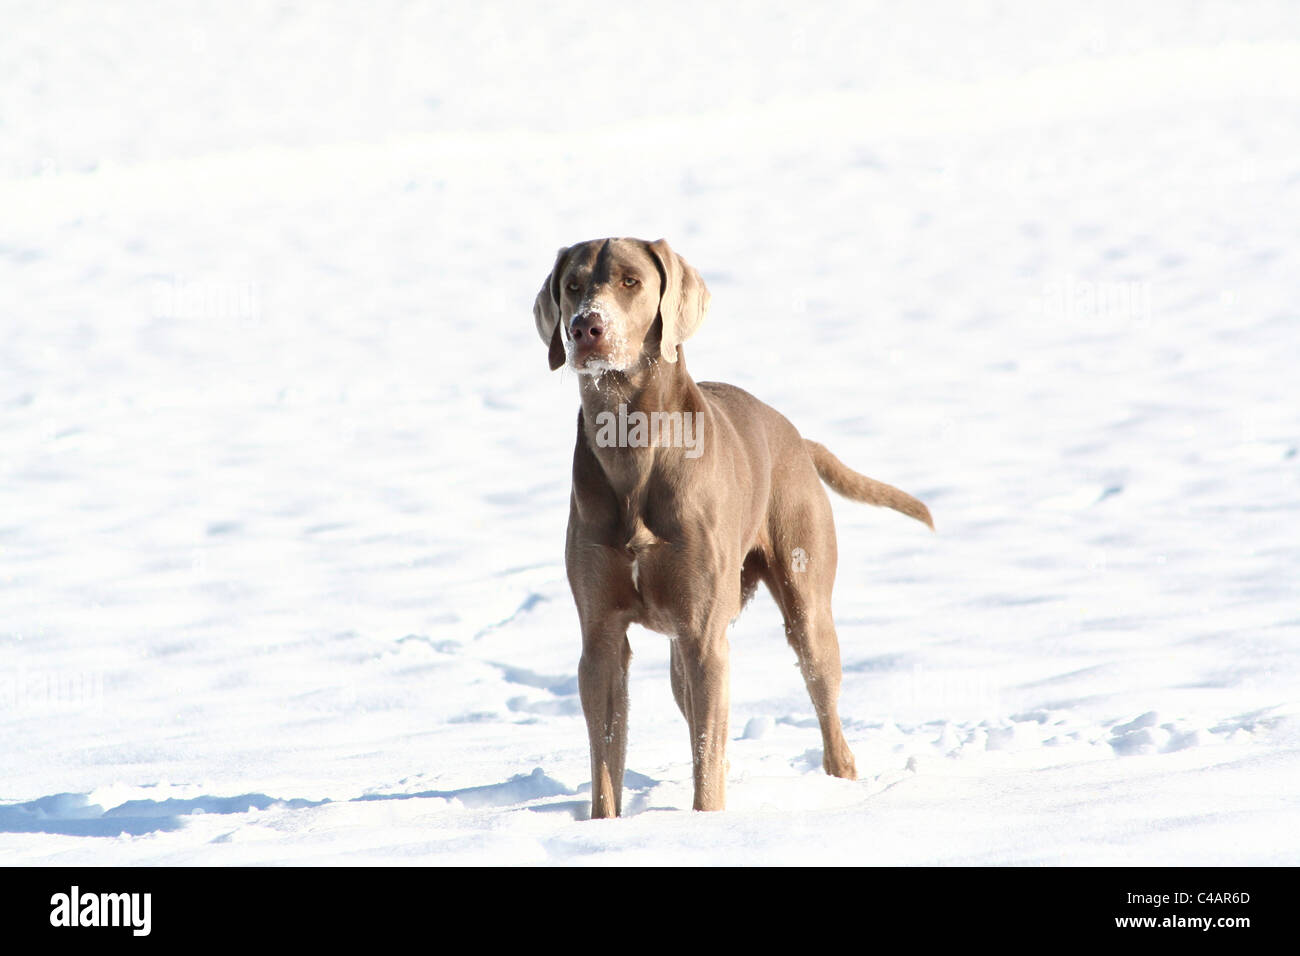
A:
(614, 397)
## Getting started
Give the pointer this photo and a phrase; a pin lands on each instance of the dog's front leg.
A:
(602, 684)
(707, 697)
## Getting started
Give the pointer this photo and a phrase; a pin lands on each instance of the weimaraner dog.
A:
(685, 495)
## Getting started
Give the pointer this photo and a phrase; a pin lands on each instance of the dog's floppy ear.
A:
(683, 301)
(546, 311)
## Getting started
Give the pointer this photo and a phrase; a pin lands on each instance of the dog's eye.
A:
(630, 281)
(572, 286)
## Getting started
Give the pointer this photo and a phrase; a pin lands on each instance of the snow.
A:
(285, 476)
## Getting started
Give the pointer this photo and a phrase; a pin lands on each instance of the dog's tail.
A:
(847, 482)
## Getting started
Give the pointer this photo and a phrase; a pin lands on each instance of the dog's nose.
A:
(587, 328)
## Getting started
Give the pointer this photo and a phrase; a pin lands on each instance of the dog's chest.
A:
(650, 565)
(641, 546)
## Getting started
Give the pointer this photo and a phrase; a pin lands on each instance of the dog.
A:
(685, 496)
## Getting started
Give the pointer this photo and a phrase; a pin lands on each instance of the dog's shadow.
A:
(74, 814)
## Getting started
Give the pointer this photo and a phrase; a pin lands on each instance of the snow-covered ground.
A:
(285, 477)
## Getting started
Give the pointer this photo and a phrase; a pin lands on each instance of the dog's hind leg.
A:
(812, 635)
(800, 576)
(677, 675)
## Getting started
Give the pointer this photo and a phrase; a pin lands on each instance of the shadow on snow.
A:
(73, 814)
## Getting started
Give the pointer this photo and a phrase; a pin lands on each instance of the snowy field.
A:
(285, 477)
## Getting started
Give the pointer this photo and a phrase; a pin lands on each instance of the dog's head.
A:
(610, 302)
